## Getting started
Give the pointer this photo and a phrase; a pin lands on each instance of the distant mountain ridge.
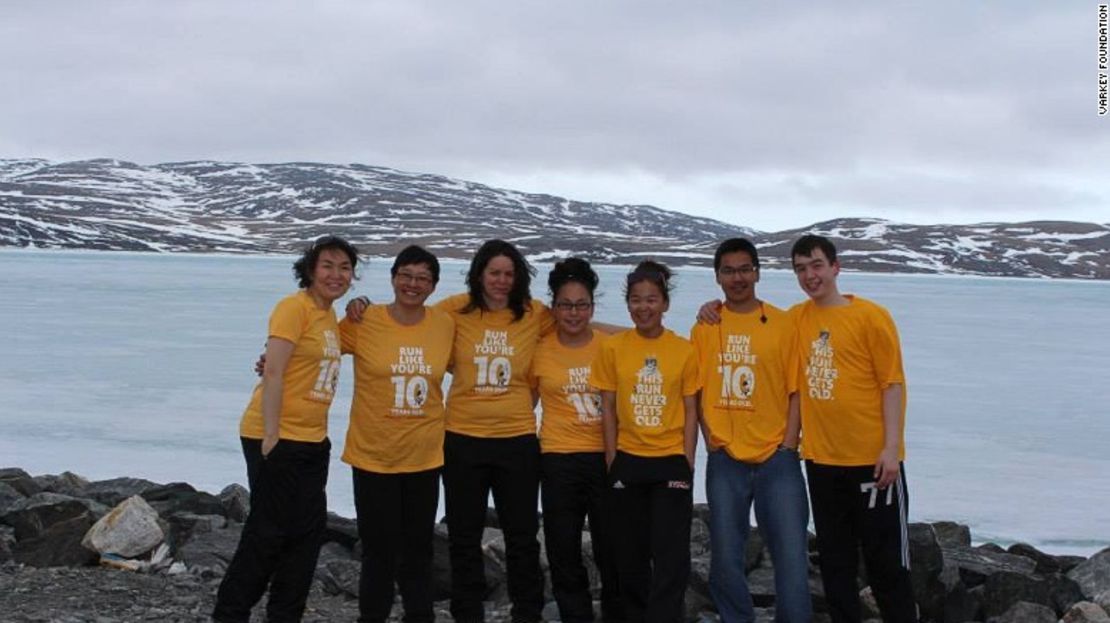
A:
(253, 208)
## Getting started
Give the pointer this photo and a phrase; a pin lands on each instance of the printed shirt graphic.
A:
(747, 377)
(490, 394)
(396, 422)
(310, 378)
(650, 378)
(847, 355)
(571, 408)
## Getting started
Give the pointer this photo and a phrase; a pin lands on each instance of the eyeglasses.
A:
(745, 270)
(420, 280)
(575, 305)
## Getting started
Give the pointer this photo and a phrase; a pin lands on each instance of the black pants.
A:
(573, 489)
(851, 514)
(396, 519)
(652, 501)
(510, 468)
(283, 533)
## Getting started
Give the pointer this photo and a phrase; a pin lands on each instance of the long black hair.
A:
(572, 270)
(520, 296)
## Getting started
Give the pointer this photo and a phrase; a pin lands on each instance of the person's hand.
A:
(710, 312)
(609, 456)
(268, 444)
(355, 307)
(886, 468)
(260, 365)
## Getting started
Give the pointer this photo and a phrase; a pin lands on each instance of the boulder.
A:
(952, 534)
(1085, 612)
(977, 563)
(236, 501)
(8, 495)
(1093, 575)
(115, 490)
(1003, 589)
(66, 483)
(958, 604)
(699, 576)
(1025, 612)
(1065, 592)
(180, 497)
(761, 584)
(19, 480)
(130, 530)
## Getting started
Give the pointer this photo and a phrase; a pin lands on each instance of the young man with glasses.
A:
(749, 417)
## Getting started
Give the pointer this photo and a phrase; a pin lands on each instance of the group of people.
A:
(621, 411)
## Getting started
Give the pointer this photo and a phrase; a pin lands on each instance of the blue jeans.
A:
(782, 512)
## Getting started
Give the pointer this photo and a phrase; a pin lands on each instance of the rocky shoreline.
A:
(127, 549)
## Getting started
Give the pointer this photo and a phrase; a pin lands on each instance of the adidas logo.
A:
(618, 485)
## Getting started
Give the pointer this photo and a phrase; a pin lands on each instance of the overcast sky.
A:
(766, 115)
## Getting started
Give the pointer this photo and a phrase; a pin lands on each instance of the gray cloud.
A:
(952, 108)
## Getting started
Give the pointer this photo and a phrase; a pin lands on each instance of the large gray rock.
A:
(493, 562)
(337, 571)
(1103, 600)
(1085, 612)
(1093, 576)
(699, 537)
(959, 604)
(129, 530)
(1046, 563)
(1025, 612)
(182, 526)
(19, 480)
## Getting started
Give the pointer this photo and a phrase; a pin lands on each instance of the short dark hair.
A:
(520, 295)
(416, 254)
(654, 272)
(733, 245)
(572, 270)
(306, 264)
(807, 243)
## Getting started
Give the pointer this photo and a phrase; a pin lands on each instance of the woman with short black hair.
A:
(284, 438)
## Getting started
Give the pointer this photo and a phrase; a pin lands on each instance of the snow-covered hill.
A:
(234, 207)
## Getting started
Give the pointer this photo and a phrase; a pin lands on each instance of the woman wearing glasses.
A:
(573, 458)
(395, 436)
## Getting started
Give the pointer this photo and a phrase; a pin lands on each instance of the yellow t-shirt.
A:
(571, 408)
(746, 416)
(490, 394)
(310, 378)
(650, 378)
(847, 355)
(396, 420)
